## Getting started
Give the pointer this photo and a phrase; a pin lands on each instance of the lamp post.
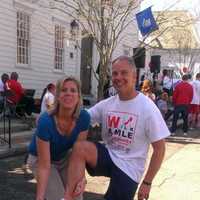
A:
(74, 29)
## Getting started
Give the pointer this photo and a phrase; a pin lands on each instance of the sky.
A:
(191, 5)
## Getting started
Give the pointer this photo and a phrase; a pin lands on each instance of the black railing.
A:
(5, 137)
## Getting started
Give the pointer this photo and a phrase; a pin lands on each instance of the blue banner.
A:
(146, 22)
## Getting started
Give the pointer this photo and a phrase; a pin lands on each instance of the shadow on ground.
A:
(15, 184)
(93, 196)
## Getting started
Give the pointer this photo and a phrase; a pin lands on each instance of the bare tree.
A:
(104, 21)
(186, 51)
(177, 36)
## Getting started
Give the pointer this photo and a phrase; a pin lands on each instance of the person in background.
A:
(142, 78)
(47, 99)
(112, 91)
(195, 104)
(56, 133)
(182, 97)
(16, 88)
(147, 89)
(3, 80)
(130, 123)
(19, 96)
(162, 103)
(166, 82)
(3, 89)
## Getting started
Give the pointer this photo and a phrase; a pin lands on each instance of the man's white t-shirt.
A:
(167, 83)
(48, 99)
(128, 128)
(1, 86)
(196, 92)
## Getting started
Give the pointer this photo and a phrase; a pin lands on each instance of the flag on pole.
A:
(146, 22)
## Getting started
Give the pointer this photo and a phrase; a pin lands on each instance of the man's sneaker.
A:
(185, 134)
(173, 134)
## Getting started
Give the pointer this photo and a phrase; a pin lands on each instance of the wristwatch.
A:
(146, 183)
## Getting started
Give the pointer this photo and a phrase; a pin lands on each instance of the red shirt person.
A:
(182, 97)
(16, 88)
(183, 93)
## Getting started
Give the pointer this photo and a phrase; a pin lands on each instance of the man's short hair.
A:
(185, 77)
(198, 76)
(14, 76)
(4, 77)
(130, 60)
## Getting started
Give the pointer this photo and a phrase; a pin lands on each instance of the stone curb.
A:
(183, 140)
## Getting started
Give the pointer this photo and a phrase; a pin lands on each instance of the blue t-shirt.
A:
(59, 144)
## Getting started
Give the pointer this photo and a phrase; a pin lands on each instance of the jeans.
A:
(183, 109)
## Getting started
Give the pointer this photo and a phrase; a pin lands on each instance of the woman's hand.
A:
(80, 187)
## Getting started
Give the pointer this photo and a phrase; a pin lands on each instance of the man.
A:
(182, 97)
(195, 104)
(16, 88)
(3, 80)
(130, 123)
(19, 97)
(3, 89)
(167, 82)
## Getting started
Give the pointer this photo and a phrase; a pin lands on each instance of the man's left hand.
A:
(143, 192)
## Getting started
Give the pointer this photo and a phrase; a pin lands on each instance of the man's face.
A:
(123, 77)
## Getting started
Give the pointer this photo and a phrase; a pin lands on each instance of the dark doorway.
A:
(86, 64)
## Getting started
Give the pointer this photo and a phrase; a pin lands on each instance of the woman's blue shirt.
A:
(59, 144)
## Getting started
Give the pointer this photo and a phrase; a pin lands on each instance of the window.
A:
(107, 2)
(23, 38)
(59, 47)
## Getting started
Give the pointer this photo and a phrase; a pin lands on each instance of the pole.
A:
(137, 78)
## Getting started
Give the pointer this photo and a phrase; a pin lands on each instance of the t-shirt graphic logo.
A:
(121, 129)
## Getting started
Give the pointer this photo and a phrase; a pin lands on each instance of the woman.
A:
(57, 131)
(147, 89)
(162, 103)
(166, 82)
(47, 99)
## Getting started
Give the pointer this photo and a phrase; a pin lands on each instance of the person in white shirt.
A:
(48, 98)
(3, 87)
(3, 80)
(167, 82)
(195, 104)
(130, 122)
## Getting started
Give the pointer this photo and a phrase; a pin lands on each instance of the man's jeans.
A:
(183, 109)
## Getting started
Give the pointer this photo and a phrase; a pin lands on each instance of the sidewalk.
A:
(178, 178)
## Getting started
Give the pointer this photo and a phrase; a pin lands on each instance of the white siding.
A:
(41, 69)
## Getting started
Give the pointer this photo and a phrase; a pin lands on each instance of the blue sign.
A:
(146, 22)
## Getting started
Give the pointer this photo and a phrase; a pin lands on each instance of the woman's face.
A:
(69, 96)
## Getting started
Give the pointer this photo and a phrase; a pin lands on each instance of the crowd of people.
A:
(131, 121)
(180, 98)
(12, 94)
(16, 99)
(175, 98)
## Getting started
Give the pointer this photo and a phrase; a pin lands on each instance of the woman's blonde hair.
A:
(147, 86)
(59, 87)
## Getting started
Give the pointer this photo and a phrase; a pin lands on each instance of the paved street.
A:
(178, 179)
